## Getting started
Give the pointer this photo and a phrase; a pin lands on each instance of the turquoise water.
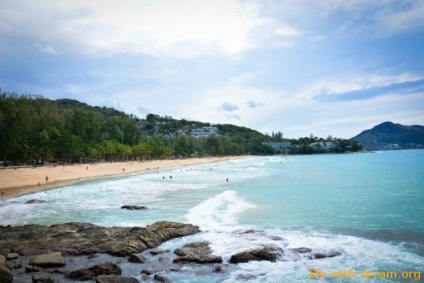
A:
(367, 206)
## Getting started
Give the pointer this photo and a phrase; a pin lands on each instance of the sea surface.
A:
(368, 206)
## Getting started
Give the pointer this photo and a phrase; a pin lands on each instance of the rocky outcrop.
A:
(6, 275)
(115, 279)
(134, 207)
(105, 268)
(87, 239)
(267, 253)
(198, 252)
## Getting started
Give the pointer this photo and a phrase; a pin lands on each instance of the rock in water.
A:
(6, 275)
(320, 255)
(161, 278)
(115, 279)
(198, 252)
(104, 268)
(134, 207)
(259, 254)
(49, 260)
(41, 278)
(31, 201)
(137, 258)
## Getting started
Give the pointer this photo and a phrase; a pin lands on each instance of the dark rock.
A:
(32, 268)
(157, 252)
(12, 256)
(217, 269)
(276, 238)
(321, 255)
(115, 279)
(137, 258)
(42, 278)
(104, 268)
(147, 271)
(49, 260)
(6, 275)
(14, 264)
(161, 278)
(134, 207)
(31, 201)
(301, 250)
(198, 252)
(246, 277)
(259, 254)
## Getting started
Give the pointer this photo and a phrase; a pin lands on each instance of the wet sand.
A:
(21, 181)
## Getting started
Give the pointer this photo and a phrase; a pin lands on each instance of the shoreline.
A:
(22, 181)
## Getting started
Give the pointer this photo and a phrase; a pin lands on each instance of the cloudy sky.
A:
(328, 67)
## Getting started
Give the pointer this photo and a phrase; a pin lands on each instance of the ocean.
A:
(367, 206)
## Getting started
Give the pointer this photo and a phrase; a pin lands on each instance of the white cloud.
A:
(186, 28)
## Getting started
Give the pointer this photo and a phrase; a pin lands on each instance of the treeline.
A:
(316, 145)
(36, 129)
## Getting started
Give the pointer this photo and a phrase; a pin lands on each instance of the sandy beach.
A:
(21, 181)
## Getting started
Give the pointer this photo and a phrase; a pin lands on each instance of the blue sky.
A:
(330, 67)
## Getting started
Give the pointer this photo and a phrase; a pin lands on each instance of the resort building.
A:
(282, 147)
(204, 132)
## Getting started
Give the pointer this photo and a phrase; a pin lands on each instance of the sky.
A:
(328, 67)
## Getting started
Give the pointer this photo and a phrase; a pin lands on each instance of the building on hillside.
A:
(204, 132)
(282, 147)
(322, 145)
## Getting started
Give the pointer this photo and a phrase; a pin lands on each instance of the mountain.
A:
(389, 135)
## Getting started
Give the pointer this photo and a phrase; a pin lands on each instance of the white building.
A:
(204, 132)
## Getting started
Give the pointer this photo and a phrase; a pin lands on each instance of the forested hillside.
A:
(37, 130)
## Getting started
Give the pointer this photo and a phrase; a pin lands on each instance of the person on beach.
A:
(47, 178)
(2, 194)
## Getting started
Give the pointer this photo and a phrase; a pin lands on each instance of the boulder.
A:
(31, 201)
(2, 259)
(134, 207)
(161, 278)
(104, 268)
(267, 253)
(325, 254)
(137, 258)
(147, 271)
(301, 250)
(42, 278)
(12, 256)
(49, 260)
(6, 275)
(115, 279)
(155, 252)
(198, 252)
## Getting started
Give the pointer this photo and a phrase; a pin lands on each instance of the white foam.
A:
(219, 211)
